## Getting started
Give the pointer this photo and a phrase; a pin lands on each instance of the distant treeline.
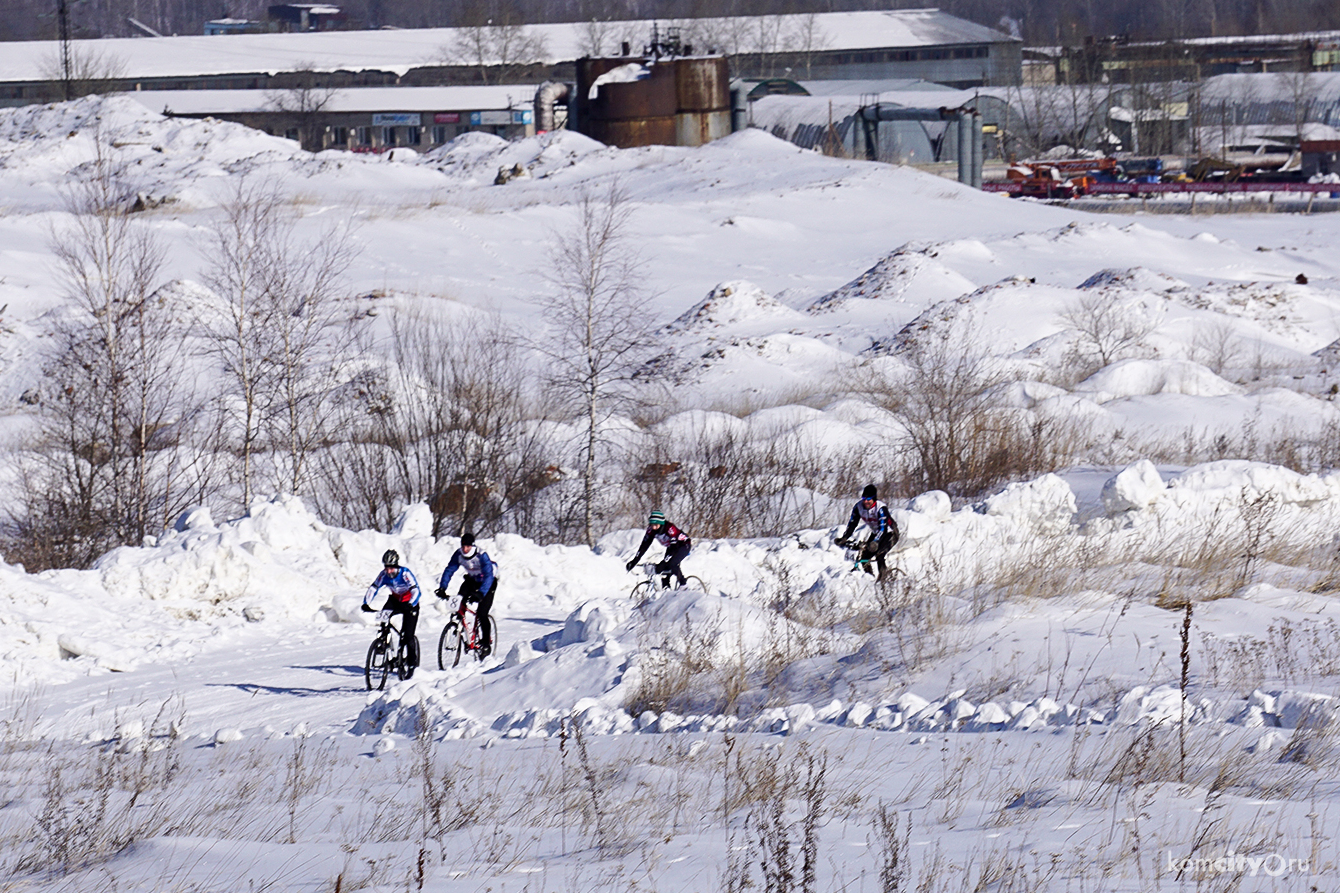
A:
(1039, 21)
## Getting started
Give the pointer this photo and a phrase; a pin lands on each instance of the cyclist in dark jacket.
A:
(677, 545)
(883, 529)
(403, 600)
(479, 585)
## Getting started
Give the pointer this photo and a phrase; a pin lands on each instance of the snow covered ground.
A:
(1010, 713)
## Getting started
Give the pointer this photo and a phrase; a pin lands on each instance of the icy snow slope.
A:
(1018, 666)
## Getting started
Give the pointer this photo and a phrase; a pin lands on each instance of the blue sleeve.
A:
(450, 569)
(372, 590)
(413, 585)
(486, 584)
(884, 521)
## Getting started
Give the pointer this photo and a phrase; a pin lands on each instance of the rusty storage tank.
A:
(678, 101)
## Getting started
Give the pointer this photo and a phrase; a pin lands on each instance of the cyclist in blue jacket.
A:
(883, 529)
(403, 600)
(479, 585)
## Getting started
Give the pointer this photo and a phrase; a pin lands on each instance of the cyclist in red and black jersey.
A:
(677, 545)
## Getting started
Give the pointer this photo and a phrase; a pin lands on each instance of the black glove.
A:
(367, 609)
(440, 592)
(841, 541)
(630, 565)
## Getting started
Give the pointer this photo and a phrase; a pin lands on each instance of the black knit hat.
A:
(869, 492)
(467, 539)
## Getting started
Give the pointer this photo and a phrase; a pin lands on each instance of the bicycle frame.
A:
(864, 553)
(472, 625)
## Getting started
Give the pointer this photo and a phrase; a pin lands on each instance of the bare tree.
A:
(91, 70)
(497, 43)
(600, 335)
(104, 471)
(305, 101)
(275, 330)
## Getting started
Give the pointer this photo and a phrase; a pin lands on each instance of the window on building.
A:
(339, 136)
(388, 136)
(439, 134)
(364, 137)
(291, 133)
(413, 135)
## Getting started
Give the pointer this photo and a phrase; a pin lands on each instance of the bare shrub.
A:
(445, 425)
(961, 438)
(1216, 345)
(1316, 738)
(894, 849)
(734, 485)
(1105, 331)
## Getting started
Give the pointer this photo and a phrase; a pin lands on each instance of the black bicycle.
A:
(656, 582)
(387, 654)
(462, 634)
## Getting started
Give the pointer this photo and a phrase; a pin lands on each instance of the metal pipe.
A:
(549, 93)
(964, 135)
(976, 157)
(881, 112)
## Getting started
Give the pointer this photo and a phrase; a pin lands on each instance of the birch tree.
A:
(599, 328)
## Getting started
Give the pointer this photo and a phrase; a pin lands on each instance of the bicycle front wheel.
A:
(643, 592)
(377, 666)
(449, 646)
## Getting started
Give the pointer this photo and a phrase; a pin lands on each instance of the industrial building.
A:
(919, 43)
(1117, 60)
(368, 119)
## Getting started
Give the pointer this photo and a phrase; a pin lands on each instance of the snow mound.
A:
(1139, 378)
(477, 157)
(1046, 503)
(732, 303)
(1133, 279)
(1227, 479)
(1134, 487)
(910, 274)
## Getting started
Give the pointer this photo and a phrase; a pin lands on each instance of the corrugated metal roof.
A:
(399, 51)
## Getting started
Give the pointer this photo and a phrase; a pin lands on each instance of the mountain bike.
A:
(386, 654)
(647, 589)
(462, 634)
(860, 552)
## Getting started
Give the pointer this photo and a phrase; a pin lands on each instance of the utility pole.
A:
(63, 11)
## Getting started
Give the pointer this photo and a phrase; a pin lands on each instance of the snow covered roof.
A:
(864, 87)
(400, 51)
(354, 99)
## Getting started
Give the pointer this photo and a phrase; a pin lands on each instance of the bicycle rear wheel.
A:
(407, 657)
(694, 584)
(449, 646)
(493, 643)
